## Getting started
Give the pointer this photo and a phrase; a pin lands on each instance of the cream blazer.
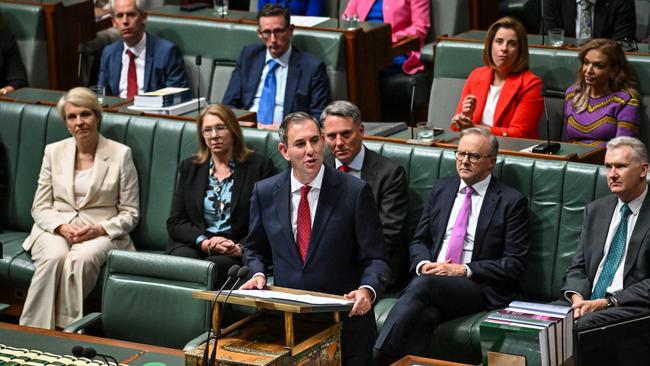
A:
(113, 199)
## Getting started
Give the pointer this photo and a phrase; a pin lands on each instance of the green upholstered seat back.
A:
(27, 23)
(147, 298)
(219, 44)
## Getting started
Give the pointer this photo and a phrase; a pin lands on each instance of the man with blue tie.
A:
(610, 275)
(276, 78)
(140, 62)
(468, 252)
(319, 230)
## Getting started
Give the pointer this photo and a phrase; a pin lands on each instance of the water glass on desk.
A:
(350, 21)
(556, 37)
(424, 132)
(100, 92)
(220, 7)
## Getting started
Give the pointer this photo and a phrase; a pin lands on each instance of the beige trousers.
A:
(65, 274)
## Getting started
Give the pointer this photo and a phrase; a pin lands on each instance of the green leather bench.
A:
(557, 193)
(219, 43)
(27, 23)
(556, 68)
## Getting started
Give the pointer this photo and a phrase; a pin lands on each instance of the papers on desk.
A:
(308, 299)
(305, 21)
(175, 110)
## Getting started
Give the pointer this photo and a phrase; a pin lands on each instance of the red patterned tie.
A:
(304, 223)
(132, 77)
(344, 168)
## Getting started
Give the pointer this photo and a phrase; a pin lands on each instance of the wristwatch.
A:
(611, 301)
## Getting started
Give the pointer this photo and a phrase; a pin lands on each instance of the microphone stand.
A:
(548, 147)
(241, 273)
(197, 61)
(232, 272)
(413, 83)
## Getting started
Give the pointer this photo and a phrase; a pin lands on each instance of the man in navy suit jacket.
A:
(345, 252)
(491, 248)
(302, 83)
(162, 65)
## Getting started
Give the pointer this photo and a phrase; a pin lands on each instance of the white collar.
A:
(356, 163)
(282, 60)
(479, 187)
(316, 183)
(139, 47)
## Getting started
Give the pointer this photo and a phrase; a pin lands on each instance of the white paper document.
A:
(308, 299)
(305, 21)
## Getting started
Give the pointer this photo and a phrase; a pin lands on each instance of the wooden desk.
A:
(511, 146)
(111, 104)
(369, 49)
(61, 343)
(415, 360)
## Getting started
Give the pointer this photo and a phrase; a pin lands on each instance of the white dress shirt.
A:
(312, 198)
(356, 164)
(140, 52)
(480, 188)
(491, 105)
(281, 72)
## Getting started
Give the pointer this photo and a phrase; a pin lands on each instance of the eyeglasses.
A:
(266, 34)
(219, 129)
(473, 157)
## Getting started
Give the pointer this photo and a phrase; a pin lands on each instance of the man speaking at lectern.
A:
(320, 230)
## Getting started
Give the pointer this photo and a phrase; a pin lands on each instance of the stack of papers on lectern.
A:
(308, 299)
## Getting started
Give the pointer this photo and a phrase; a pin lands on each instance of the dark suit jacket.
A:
(186, 222)
(501, 239)
(12, 69)
(615, 19)
(389, 186)
(636, 271)
(163, 68)
(345, 250)
(307, 89)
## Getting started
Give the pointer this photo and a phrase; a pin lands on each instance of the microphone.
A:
(91, 353)
(548, 147)
(338, 14)
(413, 83)
(232, 273)
(543, 24)
(241, 274)
(197, 62)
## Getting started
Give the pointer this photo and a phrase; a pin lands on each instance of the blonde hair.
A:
(81, 97)
(240, 151)
(621, 77)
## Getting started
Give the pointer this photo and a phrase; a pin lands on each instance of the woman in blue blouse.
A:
(210, 210)
(297, 7)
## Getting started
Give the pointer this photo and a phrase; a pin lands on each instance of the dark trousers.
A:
(222, 262)
(357, 338)
(444, 297)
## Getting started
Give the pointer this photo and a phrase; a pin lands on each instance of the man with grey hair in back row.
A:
(343, 129)
(140, 62)
(610, 275)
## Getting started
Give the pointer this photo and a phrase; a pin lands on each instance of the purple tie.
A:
(457, 240)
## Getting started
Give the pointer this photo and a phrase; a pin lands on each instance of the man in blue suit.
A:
(140, 62)
(468, 251)
(276, 78)
(320, 230)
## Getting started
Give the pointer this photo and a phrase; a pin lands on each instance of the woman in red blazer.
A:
(503, 96)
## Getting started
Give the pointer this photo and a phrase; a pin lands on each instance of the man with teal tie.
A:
(468, 252)
(276, 78)
(610, 275)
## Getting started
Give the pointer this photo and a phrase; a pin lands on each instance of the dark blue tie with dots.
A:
(614, 256)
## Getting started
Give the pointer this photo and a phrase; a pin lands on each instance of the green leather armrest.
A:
(195, 342)
(82, 323)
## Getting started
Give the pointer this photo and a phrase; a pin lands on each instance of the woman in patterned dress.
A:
(603, 103)
(210, 210)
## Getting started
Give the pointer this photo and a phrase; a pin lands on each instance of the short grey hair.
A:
(80, 97)
(341, 108)
(294, 118)
(494, 143)
(635, 144)
(139, 5)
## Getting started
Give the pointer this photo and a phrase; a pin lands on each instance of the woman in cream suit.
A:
(85, 205)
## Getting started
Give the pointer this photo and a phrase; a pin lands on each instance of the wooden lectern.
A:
(282, 332)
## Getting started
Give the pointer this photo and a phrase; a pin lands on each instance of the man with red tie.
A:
(344, 137)
(467, 253)
(320, 231)
(140, 62)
